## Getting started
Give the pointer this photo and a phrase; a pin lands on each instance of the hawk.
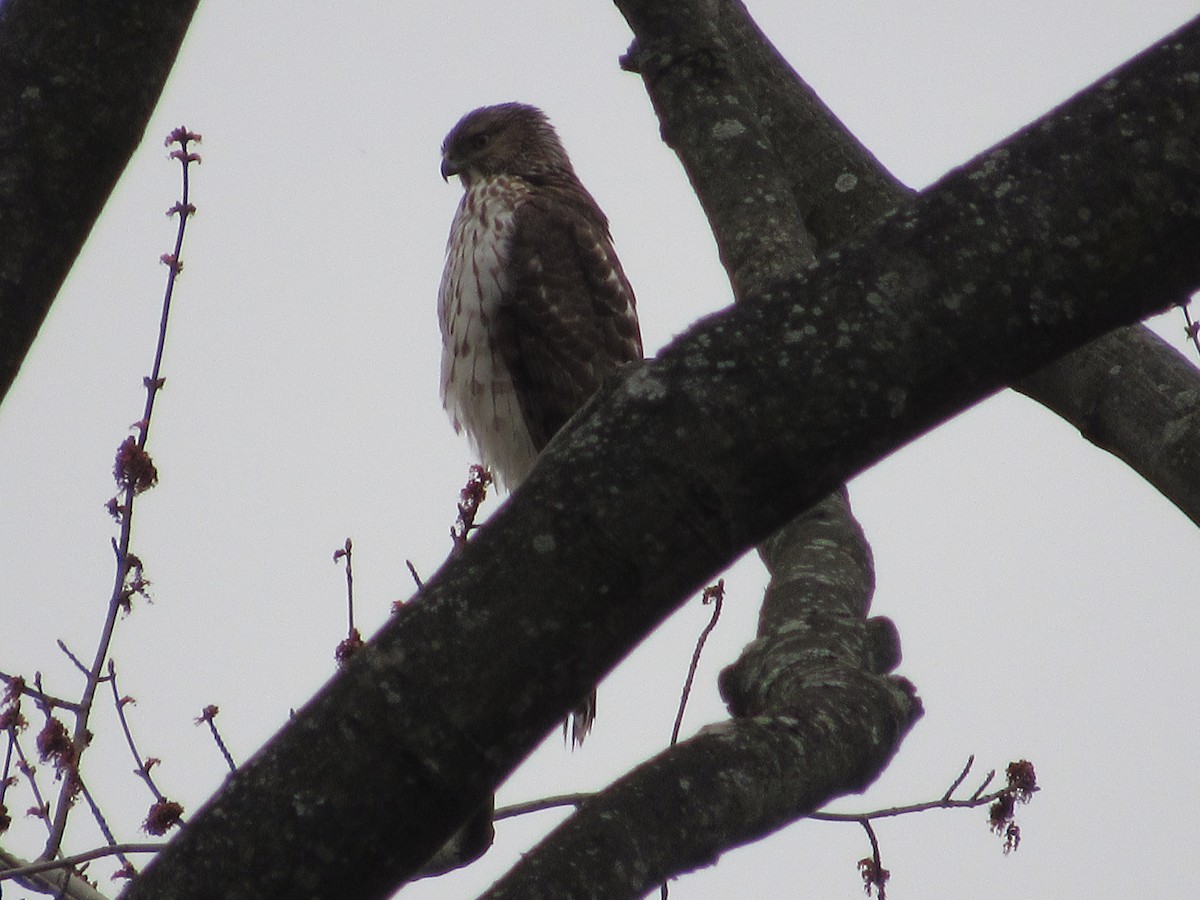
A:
(534, 307)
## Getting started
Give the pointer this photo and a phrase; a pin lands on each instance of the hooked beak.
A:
(449, 167)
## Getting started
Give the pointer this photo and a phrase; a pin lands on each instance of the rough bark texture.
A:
(78, 82)
(814, 719)
(839, 188)
(745, 126)
(691, 460)
(718, 90)
(1134, 395)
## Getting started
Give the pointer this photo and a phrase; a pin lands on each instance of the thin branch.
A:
(962, 776)
(38, 696)
(983, 787)
(72, 657)
(972, 802)
(76, 859)
(208, 716)
(412, 570)
(946, 801)
(30, 772)
(873, 873)
(64, 884)
(102, 822)
(346, 552)
(134, 473)
(532, 806)
(353, 642)
(714, 594)
(142, 767)
(5, 773)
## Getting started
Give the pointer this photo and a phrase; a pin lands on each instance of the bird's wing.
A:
(568, 319)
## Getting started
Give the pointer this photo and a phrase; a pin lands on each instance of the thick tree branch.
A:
(839, 187)
(815, 719)
(78, 82)
(745, 126)
(1134, 395)
(739, 425)
(759, 219)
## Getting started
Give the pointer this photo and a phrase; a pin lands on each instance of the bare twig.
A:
(874, 875)
(208, 716)
(893, 811)
(714, 594)
(346, 552)
(134, 473)
(944, 802)
(412, 570)
(983, 787)
(72, 657)
(102, 823)
(1021, 785)
(5, 774)
(353, 642)
(41, 807)
(76, 859)
(36, 695)
(962, 776)
(64, 884)
(142, 766)
(521, 809)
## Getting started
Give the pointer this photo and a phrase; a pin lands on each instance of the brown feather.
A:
(535, 309)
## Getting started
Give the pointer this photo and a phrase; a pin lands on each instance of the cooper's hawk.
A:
(535, 309)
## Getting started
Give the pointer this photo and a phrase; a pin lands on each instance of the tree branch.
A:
(1145, 416)
(694, 75)
(815, 718)
(53, 877)
(694, 458)
(745, 125)
(1134, 395)
(78, 83)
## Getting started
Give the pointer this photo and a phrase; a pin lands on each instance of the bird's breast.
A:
(477, 388)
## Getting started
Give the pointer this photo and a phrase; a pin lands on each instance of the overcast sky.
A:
(1045, 595)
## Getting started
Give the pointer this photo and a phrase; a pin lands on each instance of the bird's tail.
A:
(580, 722)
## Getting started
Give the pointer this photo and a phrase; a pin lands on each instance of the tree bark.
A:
(78, 82)
(709, 71)
(699, 73)
(696, 56)
(1134, 395)
(814, 719)
(751, 417)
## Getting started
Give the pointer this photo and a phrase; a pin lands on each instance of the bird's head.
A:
(509, 139)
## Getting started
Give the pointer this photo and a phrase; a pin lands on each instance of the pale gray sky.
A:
(1043, 592)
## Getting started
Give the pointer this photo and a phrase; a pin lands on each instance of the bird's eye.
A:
(480, 141)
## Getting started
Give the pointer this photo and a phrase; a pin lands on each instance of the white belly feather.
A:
(477, 389)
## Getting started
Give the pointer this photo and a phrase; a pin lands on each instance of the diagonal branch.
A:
(1129, 393)
(53, 877)
(691, 460)
(1134, 395)
(78, 83)
(815, 718)
(693, 73)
